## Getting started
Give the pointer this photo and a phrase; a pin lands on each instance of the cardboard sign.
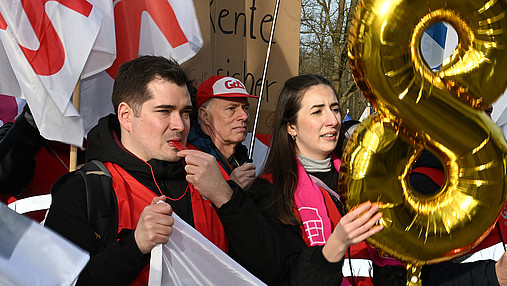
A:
(236, 36)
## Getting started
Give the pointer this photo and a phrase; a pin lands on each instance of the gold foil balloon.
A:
(421, 109)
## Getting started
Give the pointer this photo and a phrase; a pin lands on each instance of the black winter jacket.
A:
(120, 262)
(296, 263)
(19, 141)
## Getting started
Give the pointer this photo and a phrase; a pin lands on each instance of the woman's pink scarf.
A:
(311, 206)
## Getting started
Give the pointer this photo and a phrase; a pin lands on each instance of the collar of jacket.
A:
(203, 142)
(103, 145)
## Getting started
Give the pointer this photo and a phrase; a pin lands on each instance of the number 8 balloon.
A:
(421, 109)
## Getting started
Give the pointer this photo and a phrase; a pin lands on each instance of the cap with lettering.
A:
(221, 86)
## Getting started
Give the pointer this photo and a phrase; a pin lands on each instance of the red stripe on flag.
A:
(83, 7)
(3, 24)
(265, 139)
(50, 57)
(128, 28)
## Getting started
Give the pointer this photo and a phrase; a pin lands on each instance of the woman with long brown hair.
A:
(296, 190)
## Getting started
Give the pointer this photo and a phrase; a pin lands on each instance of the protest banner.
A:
(236, 35)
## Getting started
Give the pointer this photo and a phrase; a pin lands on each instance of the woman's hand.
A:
(354, 227)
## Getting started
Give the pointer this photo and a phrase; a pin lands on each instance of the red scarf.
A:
(133, 197)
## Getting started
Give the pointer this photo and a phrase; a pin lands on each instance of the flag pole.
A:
(73, 148)
(264, 72)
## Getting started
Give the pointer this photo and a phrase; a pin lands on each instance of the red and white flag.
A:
(167, 28)
(47, 44)
(157, 27)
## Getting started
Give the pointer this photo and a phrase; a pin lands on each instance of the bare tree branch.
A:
(325, 26)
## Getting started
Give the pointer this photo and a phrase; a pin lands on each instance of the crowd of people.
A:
(287, 226)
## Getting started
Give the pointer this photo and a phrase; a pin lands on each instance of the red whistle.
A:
(179, 145)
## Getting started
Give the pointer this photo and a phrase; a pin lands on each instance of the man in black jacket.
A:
(138, 146)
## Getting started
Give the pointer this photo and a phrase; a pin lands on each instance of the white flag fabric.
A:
(261, 149)
(8, 83)
(365, 114)
(499, 114)
(47, 44)
(438, 43)
(103, 52)
(167, 28)
(188, 258)
(31, 254)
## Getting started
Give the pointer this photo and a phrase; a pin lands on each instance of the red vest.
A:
(133, 197)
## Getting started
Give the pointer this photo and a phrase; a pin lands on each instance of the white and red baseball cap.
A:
(220, 86)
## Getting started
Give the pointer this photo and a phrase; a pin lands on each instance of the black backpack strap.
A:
(100, 200)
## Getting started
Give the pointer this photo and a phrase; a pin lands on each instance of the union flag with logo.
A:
(47, 45)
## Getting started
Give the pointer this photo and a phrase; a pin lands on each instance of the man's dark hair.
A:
(131, 83)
